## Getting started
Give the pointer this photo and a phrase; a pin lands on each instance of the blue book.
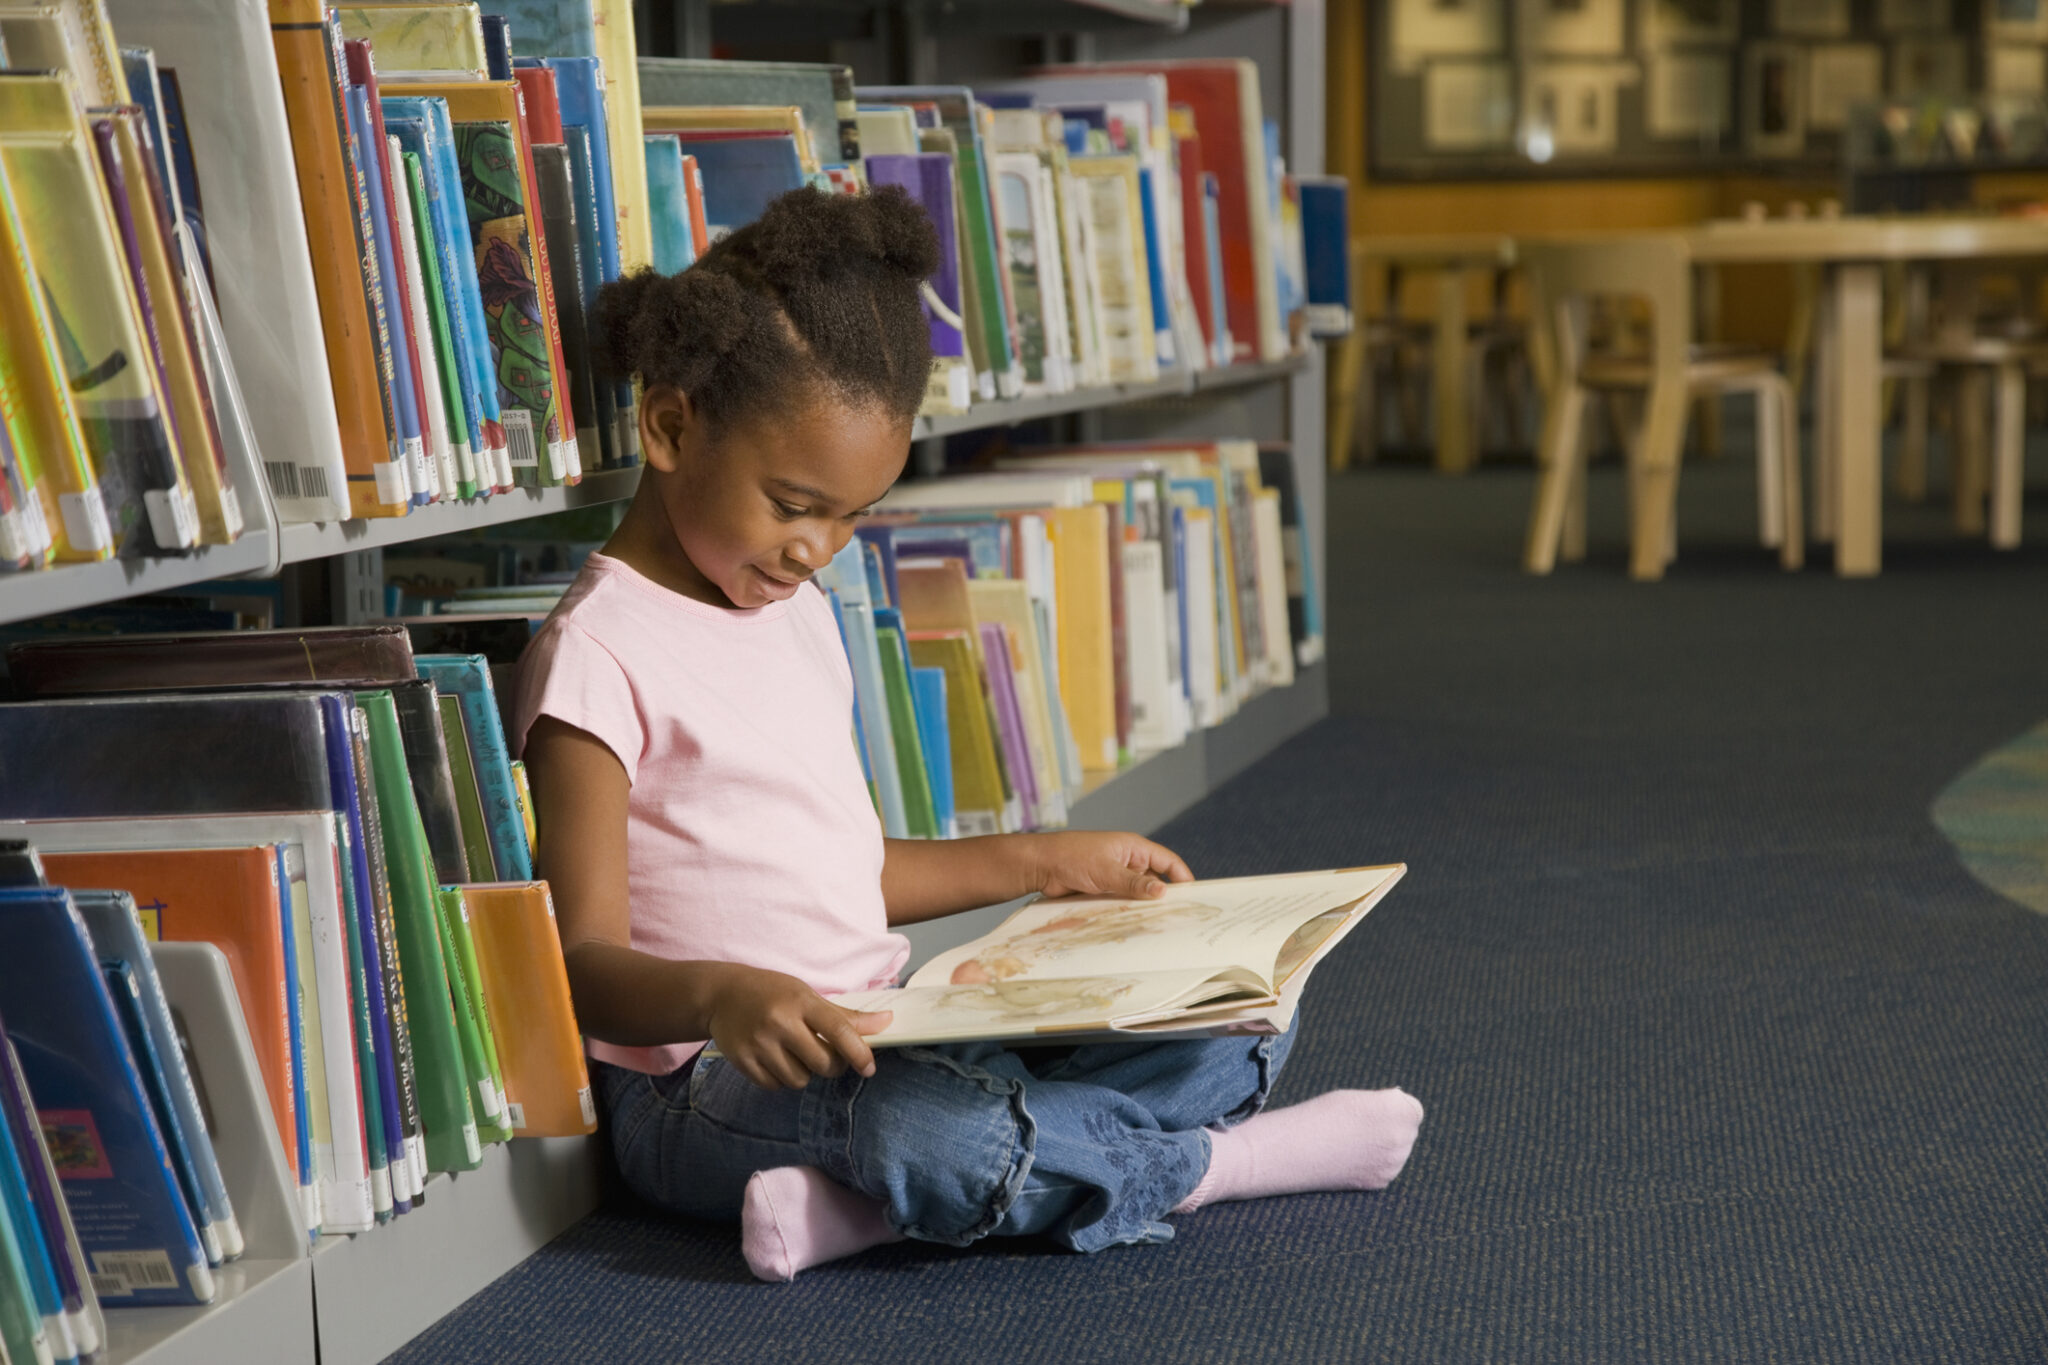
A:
(110, 1154)
(415, 137)
(860, 744)
(846, 577)
(127, 997)
(987, 537)
(928, 699)
(742, 175)
(53, 1216)
(668, 204)
(139, 64)
(1326, 252)
(582, 187)
(34, 1252)
(116, 932)
(497, 47)
(579, 88)
(183, 171)
(467, 678)
(423, 128)
(1155, 273)
(369, 156)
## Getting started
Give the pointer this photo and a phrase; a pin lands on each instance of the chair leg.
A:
(1655, 533)
(1559, 457)
(1792, 552)
(2008, 470)
(1909, 476)
(1770, 469)
(1969, 459)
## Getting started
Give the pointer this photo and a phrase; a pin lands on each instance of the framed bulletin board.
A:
(1480, 89)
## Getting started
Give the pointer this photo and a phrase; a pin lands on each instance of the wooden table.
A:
(1850, 415)
(1454, 257)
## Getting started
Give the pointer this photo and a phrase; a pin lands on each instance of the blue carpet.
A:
(1726, 1057)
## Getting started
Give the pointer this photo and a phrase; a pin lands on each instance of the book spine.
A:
(366, 1001)
(402, 1114)
(409, 476)
(560, 423)
(313, 108)
(441, 470)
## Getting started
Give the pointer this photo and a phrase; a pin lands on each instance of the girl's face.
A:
(759, 507)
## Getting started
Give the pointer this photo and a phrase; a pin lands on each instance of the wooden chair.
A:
(1655, 269)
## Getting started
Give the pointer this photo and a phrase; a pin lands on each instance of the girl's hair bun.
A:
(809, 234)
(676, 325)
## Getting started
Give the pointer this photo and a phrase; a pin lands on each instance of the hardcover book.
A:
(1208, 958)
(467, 678)
(823, 91)
(420, 42)
(526, 990)
(316, 657)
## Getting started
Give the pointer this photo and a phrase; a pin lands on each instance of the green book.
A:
(445, 1110)
(459, 425)
(917, 788)
(476, 835)
(408, 1145)
(486, 1090)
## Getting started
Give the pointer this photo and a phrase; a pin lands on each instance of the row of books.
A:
(340, 817)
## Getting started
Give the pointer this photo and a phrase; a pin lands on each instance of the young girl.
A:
(719, 870)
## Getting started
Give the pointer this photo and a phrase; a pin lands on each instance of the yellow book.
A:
(414, 41)
(1080, 551)
(691, 118)
(220, 511)
(619, 53)
(1007, 602)
(66, 35)
(74, 248)
(49, 444)
(980, 796)
(1108, 198)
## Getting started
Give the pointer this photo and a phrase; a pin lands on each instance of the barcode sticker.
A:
(446, 466)
(519, 438)
(589, 1106)
(515, 1114)
(172, 517)
(120, 1273)
(284, 478)
(231, 509)
(417, 476)
(391, 482)
(14, 539)
(85, 521)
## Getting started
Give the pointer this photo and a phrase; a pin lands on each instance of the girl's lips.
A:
(779, 589)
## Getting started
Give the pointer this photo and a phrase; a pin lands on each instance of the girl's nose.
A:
(815, 552)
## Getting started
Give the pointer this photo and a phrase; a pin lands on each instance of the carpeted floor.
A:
(1726, 1056)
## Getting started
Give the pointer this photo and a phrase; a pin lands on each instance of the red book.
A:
(693, 193)
(543, 105)
(1224, 97)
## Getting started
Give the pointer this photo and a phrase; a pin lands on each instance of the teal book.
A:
(467, 678)
(668, 204)
(910, 757)
(928, 699)
(611, 446)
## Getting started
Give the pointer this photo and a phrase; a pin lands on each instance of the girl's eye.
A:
(786, 511)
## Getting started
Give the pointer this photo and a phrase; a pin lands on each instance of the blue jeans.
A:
(1089, 1145)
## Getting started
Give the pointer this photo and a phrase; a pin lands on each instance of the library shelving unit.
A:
(354, 1300)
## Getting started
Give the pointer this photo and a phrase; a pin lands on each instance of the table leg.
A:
(1858, 420)
(1454, 449)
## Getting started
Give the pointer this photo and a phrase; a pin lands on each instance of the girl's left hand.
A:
(1086, 863)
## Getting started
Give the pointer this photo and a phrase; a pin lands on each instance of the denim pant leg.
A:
(1187, 1083)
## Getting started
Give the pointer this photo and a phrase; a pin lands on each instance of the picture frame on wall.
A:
(1810, 18)
(1468, 106)
(1774, 99)
(1571, 28)
(1671, 23)
(1932, 66)
(1573, 107)
(1840, 76)
(1915, 16)
(1688, 95)
(1424, 30)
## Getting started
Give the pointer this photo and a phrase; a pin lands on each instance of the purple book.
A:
(1002, 686)
(927, 177)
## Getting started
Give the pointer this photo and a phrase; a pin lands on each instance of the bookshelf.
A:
(354, 1300)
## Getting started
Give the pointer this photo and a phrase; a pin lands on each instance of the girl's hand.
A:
(779, 1032)
(1091, 864)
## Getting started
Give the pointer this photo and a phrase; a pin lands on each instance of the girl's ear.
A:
(668, 423)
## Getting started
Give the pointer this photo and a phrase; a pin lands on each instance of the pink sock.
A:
(1343, 1140)
(795, 1217)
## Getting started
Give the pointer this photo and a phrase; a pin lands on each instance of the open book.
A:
(1207, 958)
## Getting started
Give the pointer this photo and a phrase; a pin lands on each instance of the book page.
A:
(1209, 927)
(1048, 1006)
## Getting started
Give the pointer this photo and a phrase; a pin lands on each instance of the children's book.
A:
(472, 1018)
(116, 927)
(668, 204)
(1207, 958)
(742, 172)
(110, 1154)
(127, 997)
(25, 1332)
(476, 835)
(928, 179)
(53, 1216)
(36, 1259)
(467, 677)
(526, 992)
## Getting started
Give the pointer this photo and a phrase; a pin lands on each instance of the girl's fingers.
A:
(838, 1028)
(813, 1054)
(1167, 863)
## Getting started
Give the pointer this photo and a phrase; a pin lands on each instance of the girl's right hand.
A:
(779, 1032)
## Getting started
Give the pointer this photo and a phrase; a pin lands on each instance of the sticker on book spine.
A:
(515, 1114)
(493, 1108)
(231, 510)
(519, 439)
(118, 1274)
(416, 467)
(587, 1105)
(392, 485)
(173, 518)
(85, 521)
(14, 535)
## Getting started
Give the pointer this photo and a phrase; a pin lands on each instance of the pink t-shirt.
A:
(750, 836)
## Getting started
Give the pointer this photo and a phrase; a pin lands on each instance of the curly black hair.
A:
(819, 292)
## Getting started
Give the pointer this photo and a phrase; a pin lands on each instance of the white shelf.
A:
(262, 1310)
(1008, 412)
(68, 587)
(318, 539)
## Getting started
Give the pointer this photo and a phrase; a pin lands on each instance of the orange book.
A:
(526, 994)
(312, 104)
(693, 192)
(228, 897)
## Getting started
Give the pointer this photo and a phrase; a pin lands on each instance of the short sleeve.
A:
(567, 674)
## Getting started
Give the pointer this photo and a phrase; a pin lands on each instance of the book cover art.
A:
(500, 236)
(116, 1171)
(53, 1218)
(668, 205)
(742, 174)
(467, 677)
(412, 41)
